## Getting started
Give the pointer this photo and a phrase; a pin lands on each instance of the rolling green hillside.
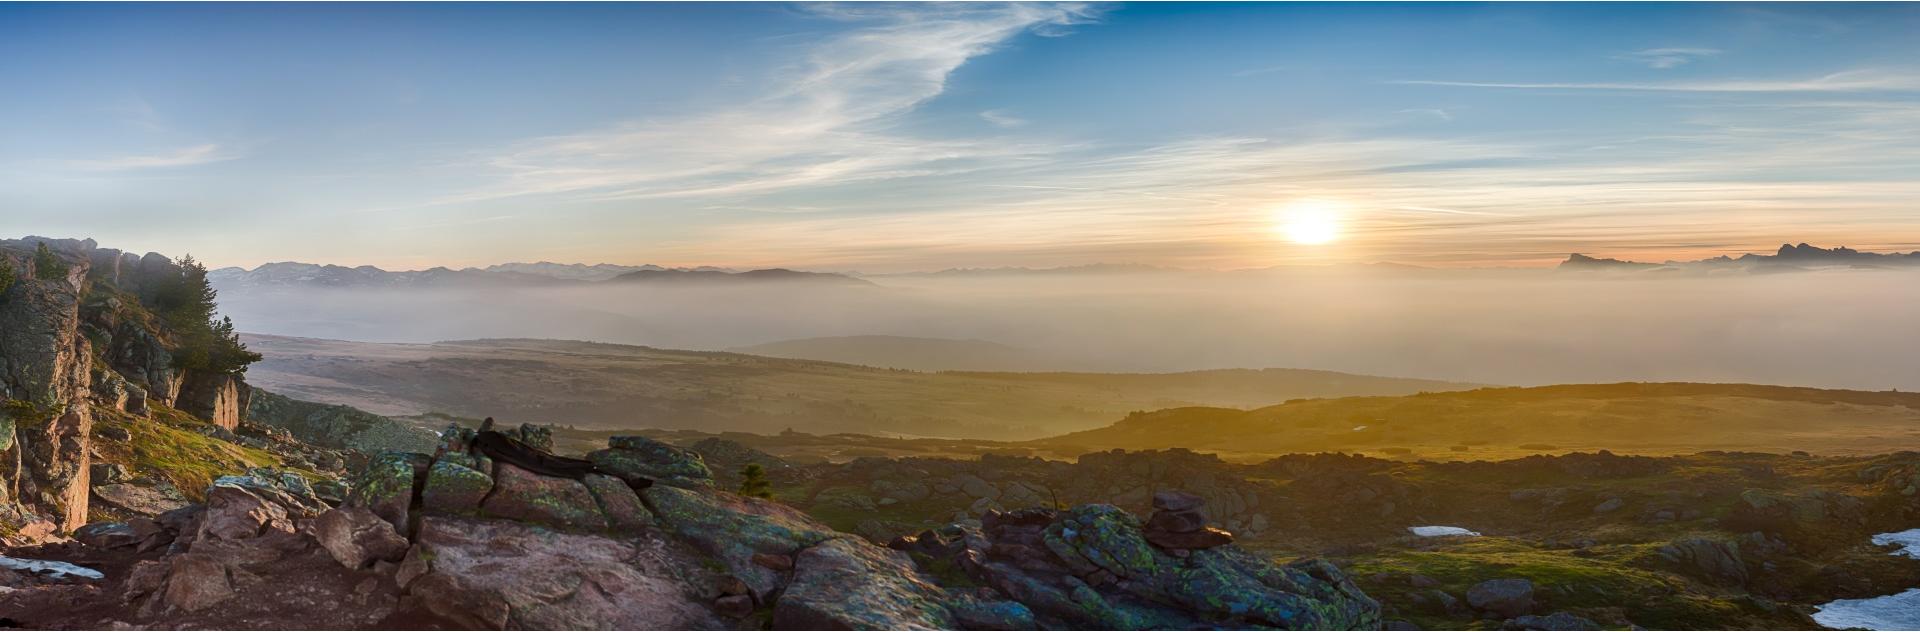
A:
(1636, 418)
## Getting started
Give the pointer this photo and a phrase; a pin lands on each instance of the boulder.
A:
(1506, 598)
(639, 457)
(356, 538)
(734, 528)
(1102, 573)
(196, 582)
(529, 497)
(453, 488)
(1708, 559)
(107, 535)
(1177, 521)
(842, 584)
(236, 513)
(139, 499)
(1174, 500)
(494, 574)
(385, 486)
(619, 503)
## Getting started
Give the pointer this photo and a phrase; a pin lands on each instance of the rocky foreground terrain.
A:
(456, 541)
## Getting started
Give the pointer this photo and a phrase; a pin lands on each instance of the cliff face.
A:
(75, 333)
(45, 367)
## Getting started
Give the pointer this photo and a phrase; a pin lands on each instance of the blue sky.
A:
(898, 137)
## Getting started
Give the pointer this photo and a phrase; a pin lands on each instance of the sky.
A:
(887, 138)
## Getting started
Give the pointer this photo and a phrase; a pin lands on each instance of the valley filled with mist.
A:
(1831, 327)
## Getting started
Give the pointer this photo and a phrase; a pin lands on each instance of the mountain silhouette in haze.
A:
(542, 274)
(1789, 257)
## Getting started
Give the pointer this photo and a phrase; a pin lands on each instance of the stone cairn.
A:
(1179, 525)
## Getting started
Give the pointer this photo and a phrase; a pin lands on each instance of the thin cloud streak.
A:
(1849, 81)
(183, 157)
(1665, 58)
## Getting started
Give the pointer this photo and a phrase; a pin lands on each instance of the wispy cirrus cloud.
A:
(182, 157)
(1848, 81)
(1000, 118)
(831, 120)
(1664, 58)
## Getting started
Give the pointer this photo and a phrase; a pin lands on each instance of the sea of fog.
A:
(1835, 328)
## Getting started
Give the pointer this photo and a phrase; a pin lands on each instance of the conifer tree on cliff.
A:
(207, 341)
(46, 266)
(753, 482)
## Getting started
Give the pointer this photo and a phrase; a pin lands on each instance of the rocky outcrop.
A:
(844, 584)
(498, 546)
(636, 456)
(218, 398)
(337, 427)
(1092, 567)
(45, 384)
(76, 335)
(493, 574)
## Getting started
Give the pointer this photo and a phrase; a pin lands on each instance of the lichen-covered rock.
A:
(619, 503)
(993, 615)
(634, 456)
(1102, 573)
(385, 486)
(525, 496)
(505, 574)
(289, 489)
(733, 528)
(453, 488)
(356, 538)
(337, 427)
(842, 584)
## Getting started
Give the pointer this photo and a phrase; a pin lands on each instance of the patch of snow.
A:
(1908, 540)
(1435, 532)
(1887, 612)
(1891, 612)
(57, 569)
(1359, 428)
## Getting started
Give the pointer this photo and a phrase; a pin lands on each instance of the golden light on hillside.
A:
(1309, 222)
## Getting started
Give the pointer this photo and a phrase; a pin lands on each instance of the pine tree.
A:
(7, 275)
(207, 342)
(753, 482)
(46, 266)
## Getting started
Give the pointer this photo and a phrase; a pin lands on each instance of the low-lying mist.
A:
(1834, 328)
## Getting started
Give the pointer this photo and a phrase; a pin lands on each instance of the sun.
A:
(1309, 222)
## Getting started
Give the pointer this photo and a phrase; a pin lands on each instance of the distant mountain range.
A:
(295, 274)
(584, 272)
(1788, 258)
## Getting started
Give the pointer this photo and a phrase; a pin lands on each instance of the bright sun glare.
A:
(1309, 222)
